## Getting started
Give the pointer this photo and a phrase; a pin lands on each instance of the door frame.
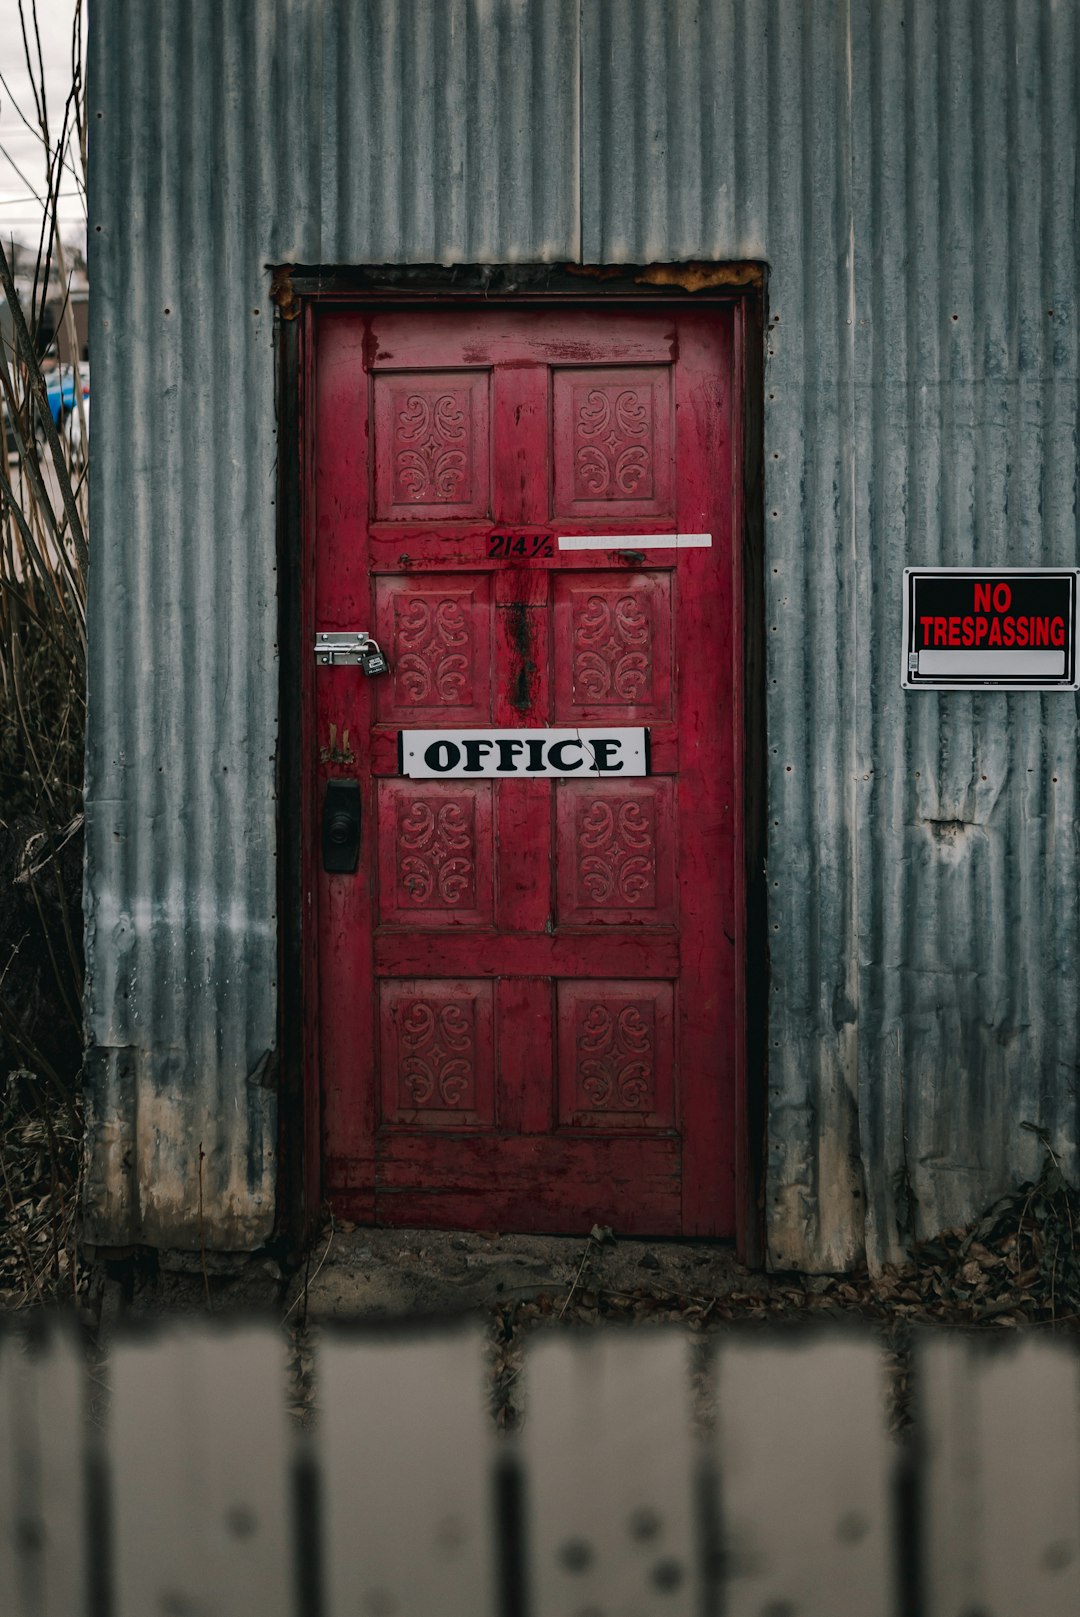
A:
(298, 292)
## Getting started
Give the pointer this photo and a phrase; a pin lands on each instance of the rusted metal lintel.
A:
(282, 293)
(292, 282)
(696, 277)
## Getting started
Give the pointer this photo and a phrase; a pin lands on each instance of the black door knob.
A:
(341, 829)
(341, 826)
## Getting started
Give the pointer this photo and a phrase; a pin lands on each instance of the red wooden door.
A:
(529, 1002)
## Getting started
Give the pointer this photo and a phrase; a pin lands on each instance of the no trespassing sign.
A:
(1010, 628)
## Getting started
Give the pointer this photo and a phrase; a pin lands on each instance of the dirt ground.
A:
(382, 1274)
(1016, 1267)
(513, 1285)
(373, 1274)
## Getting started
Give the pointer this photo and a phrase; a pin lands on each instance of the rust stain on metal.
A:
(595, 272)
(157, 1177)
(281, 292)
(333, 754)
(692, 277)
(695, 277)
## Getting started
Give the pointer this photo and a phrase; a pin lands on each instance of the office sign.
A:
(1005, 628)
(527, 754)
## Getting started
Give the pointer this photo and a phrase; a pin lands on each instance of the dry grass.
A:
(44, 526)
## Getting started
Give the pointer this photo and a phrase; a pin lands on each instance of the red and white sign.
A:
(1010, 628)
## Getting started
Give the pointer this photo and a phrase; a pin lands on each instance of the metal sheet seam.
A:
(581, 127)
(854, 762)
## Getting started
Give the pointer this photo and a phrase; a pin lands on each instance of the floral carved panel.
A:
(435, 632)
(615, 1047)
(431, 448)
(616, 853)
(612, 644)
(431, 445)
(613, 448)
(614, 634)
(434, 853)
(434, 652)
(436, 1053)
(615, 1063)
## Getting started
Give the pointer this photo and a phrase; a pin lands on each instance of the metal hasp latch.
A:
(350, 646)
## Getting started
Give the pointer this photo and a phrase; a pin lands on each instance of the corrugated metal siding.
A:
(896, 165)
(226, 136)
(909, 173)
(965, 432)
(182, 934)
(722, 131)
(449, 132)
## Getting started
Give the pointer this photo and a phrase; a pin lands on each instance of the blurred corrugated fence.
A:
(763, 1481)
(908, 171)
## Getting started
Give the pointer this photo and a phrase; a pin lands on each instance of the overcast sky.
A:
(20, 148)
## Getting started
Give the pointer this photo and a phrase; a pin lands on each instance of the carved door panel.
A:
(529, 1002)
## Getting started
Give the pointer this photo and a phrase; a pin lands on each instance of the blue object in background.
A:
(61, 391)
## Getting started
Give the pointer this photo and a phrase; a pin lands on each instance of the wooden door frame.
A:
(298, 291)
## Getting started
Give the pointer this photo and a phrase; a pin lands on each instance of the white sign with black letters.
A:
(526, 754)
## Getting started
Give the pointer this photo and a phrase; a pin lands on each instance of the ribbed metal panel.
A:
(908, 172)
(182, 935)
(750, 102)
(226, 136)
(449, 132)
(965, 431)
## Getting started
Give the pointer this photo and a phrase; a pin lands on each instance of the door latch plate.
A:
(342, 648)
(341, 826)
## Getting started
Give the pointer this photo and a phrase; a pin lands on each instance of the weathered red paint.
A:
(529, 995)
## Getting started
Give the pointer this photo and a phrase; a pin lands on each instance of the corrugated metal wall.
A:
(908, 171)
(965, 435)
